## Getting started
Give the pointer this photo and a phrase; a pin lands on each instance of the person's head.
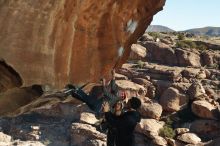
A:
(134, 103)
(123, 95)
(118, 106)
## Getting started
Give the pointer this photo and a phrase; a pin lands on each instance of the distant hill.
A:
(209, 31)
(158, 28)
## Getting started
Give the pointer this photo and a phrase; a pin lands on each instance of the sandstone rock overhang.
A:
(70, 41)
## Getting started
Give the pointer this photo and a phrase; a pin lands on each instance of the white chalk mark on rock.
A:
(120, 51)
(131, 26)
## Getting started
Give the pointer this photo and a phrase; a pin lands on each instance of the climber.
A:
(123, 124)
(109, 95)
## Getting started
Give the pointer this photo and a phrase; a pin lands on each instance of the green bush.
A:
(181, 36)
(202, 47)
(155, 35)
(167, 130)
(140, 64)
(214, 66)
(186, 44)
(190, 44)
(180, 44)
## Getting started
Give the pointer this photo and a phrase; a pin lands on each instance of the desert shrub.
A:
(190, 44)
(186, 44)
(155, 35)
(214, 66)
(180, 44)
(140, 64)
(202, 47)
(181, 36)
(167, 130)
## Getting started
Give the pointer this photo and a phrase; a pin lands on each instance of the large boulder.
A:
(58, 42)
(196, 90)
(210, 58)
(188, 58)
(161, 86)
(160, 52)
(82, 134)
(162, 72)
(151, 110)
(149, 127)
(131, 88)
(189, 138)
(159, 141)
(88, 118)
(138, 52)
(172, 100)
(5, 138)
(192, 73)
(203, 109)
(207, 129)
(147, 85)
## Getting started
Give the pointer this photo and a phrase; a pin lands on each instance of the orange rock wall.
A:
(59, 41)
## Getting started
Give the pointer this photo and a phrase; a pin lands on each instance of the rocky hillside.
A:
(181, 76)
(159, 28)
(178, 84)
(209, 31)
(205, 31)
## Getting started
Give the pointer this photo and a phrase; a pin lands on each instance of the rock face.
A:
(149, 127)
(160, 53)
(196, 90)
(188, 58)
(206, 128)
(203, 109)
(55, 42)
(4, 137)
(151, 110)
(172, 100)
(138, 52)
(131, 89)
(189, 138)
(9, 77)
(82, 134)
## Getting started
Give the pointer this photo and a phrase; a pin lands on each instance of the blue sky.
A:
(186, 14)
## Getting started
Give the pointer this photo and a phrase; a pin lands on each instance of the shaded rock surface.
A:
(58, 42)
(207, 129)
